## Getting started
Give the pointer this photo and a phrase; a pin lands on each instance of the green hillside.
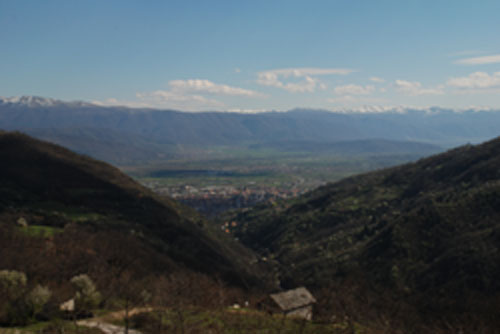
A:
(426, 232)
(93, 218)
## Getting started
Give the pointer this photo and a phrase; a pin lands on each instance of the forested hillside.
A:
(426, 232)
(97, 218)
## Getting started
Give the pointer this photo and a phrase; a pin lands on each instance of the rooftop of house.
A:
(293, 299)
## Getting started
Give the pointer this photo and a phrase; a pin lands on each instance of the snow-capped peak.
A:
(37, 101)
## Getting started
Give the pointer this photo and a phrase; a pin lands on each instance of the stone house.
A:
(297, 303)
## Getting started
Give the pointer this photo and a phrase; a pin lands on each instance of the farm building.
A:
(295, 303)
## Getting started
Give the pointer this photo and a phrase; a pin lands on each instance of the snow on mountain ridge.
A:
(37, 101)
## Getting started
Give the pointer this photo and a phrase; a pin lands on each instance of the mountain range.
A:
(122, 135)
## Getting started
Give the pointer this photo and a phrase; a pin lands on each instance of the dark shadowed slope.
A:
(51, 186)
(429, 230)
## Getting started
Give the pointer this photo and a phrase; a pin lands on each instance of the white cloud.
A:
(354, 90)
(346, 99)
(414, 88)
(349, 100)
(493, 59)
(193, 95)
(175, 100)
(310, 71)
(209, 87)
(476, 81)
(247, 111)
(112, 102)
(377, 79)
(465, 53)
(371, 108)
(307, 82)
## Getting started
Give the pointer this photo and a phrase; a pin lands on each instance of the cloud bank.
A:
(414, 88)
(354, 90)
(194, 94)
(476, 81)
(377, 80)
(493, 59)
(305, 78)
(209, 87)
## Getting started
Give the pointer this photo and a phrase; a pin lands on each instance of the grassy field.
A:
(65, 211)
(39, 231)
(51, 327)
(231, 321)
(261, 169)
(197, 320)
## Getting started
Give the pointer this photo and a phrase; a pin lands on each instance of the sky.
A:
(253, 55)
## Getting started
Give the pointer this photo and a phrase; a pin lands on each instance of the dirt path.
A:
(105, 327)
(103, 324)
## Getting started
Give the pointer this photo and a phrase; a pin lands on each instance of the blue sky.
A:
(253, 55)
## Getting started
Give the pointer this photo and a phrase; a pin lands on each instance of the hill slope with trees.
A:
(63, 214)
(426, 232)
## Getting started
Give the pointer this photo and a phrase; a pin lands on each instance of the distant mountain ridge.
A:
(164, 132)
(37, 101)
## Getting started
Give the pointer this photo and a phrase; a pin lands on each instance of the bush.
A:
(37, 298)
(12, 289)
(87, 297)
(12, 283)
